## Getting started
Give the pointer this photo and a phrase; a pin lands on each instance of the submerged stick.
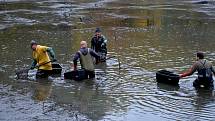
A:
(110, 57)
(117, 50)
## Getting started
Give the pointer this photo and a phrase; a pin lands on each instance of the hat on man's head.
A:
(98, 30)
(33, 43)
(200, 55)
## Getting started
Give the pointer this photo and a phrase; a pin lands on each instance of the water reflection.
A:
(203, 104)
(84, 97)
(150, 35)
(204, 98)
(166, 87)
(42, 90)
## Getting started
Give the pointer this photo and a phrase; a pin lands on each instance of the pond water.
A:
(144, 35)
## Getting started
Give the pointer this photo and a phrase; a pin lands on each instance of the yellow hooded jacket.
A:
(41, 56)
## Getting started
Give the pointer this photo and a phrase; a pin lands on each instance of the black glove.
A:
(32, 67)
(102, 57)
(103, 45)
(54, 60)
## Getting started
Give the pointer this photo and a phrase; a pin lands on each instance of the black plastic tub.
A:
(77, 75)
(167, 77)
(56, 68)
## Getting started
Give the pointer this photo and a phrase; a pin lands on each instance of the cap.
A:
(33, 43)
(98, 30)
(200, 54)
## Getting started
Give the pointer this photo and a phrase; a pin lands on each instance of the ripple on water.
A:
(150, 37)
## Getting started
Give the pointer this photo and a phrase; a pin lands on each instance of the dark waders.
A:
(43, 73)
(207, 84)
(205, 77)
(87, 64)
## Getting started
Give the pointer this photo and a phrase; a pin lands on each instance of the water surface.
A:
(145, 36)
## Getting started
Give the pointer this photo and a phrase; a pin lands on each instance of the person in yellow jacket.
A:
(41, 59)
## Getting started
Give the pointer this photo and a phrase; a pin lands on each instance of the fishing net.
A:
(22, 73)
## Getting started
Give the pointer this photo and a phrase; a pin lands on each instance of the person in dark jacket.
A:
(205, 72)
(85, 55)
(99, 44)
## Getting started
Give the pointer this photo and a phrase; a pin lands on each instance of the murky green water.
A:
(146, 36)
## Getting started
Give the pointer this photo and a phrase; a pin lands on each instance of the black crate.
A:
(167, 77)
(56, 68)
(77, 75)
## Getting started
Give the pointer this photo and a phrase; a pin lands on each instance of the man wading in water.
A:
(99, 44)
(42, 60)
(205, 72)
(85, 55)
